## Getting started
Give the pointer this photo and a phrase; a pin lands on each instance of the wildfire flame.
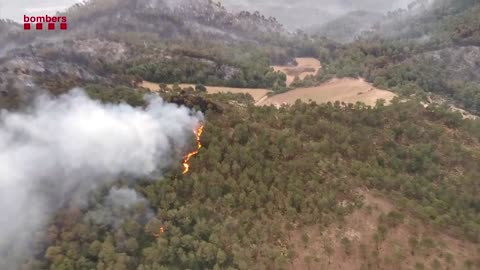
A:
(198, 135)
(160, 232)
(154, 233)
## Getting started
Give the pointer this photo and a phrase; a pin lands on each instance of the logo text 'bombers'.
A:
(38, 22)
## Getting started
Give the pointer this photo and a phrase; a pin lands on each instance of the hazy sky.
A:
(291, 13)
(15, 9)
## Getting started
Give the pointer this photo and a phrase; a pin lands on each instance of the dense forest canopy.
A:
(267, 178)
(262, 166)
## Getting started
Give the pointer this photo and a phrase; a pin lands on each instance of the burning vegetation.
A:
(198, 134)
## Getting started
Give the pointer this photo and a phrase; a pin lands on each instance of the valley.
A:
(347, 90)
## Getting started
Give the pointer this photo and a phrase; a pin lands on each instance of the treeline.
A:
(243, 64)
(212, 64)
(191, 70)
(265, 172)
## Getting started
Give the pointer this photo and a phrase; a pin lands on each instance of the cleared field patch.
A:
(305, 67)
(346, 90)
(154, 87)
(257, 94)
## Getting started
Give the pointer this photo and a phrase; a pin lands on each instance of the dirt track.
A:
(257, 94)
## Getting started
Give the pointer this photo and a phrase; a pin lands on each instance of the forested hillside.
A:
(302, 186)
(170, 19)
(264, 174)
(213, 47)
(432, 53)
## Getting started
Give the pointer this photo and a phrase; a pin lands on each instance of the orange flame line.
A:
(160, 232)
(198, 134)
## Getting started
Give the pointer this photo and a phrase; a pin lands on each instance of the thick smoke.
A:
(116, 205)
(124, 198)
(294, 14)
(63, 148)
(306, 13)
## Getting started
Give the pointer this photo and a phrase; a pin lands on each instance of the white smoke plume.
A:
(63, 148)
(116, 204)
(124, 198)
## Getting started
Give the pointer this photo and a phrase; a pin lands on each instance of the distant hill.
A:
(301, 14)
(169, 19)
(10, 34)
(430, 49)
(199, 39)
(441, 20)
